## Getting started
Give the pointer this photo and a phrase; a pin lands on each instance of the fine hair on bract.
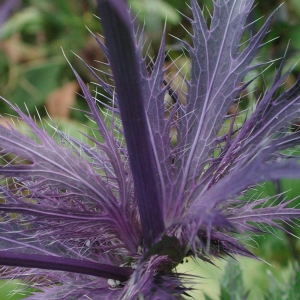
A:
(111, 218)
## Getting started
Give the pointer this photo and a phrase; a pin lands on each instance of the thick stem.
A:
(118, 31)
(65, 264)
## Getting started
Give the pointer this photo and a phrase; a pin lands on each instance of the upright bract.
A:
(111, 219)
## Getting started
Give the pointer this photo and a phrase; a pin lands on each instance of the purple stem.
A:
(65, 264)
(118, 31)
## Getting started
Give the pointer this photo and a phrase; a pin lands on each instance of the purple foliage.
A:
(5, 9)
(111, 218)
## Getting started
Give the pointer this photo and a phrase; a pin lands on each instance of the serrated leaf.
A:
(232, 285)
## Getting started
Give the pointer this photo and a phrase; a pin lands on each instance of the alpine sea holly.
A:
(112, 218)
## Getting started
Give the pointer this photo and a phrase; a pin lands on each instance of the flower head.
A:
(111, 218)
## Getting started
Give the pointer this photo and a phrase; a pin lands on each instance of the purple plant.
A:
(112, 218)
(6, 8)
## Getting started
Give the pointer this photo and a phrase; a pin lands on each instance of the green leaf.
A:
(232, 285)
(285, 290)
(155, 9)
(29, 20)
(9, 290)
(292, 288)
(36, 81)
(274, 291)
(207, 297)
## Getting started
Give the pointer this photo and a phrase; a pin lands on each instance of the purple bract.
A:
(111, 218)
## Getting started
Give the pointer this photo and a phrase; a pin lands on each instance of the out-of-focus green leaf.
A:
(8, 290)
(29, 19)
(287, 289)
(151, 10)
(293, 290)
(232, 285)
(295, 4)
(36, 80)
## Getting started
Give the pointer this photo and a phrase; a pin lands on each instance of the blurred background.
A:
(34, 74)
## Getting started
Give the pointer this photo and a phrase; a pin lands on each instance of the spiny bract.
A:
(111, 218)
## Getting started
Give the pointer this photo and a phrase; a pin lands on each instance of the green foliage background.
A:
(32, 67)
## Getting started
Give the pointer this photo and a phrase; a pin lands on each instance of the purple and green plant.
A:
(111, 218)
